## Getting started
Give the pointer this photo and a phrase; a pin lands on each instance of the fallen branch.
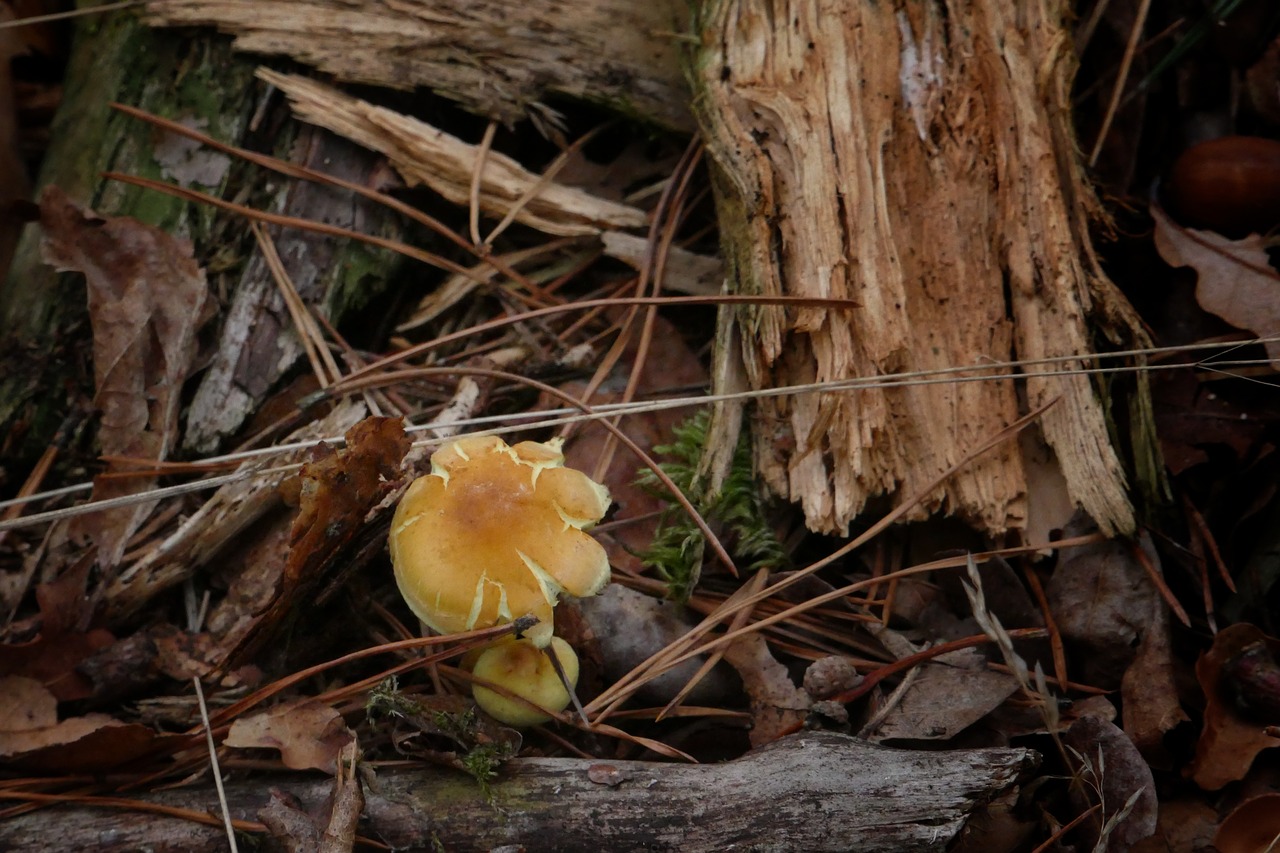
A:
(810, 791)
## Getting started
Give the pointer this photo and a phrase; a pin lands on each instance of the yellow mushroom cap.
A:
(523, 668)
(494, 533)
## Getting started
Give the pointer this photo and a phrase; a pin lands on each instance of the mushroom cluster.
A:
(492, 534)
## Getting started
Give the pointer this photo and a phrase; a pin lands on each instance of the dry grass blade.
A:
(217, 771)
(127, 804)
(1122, 78)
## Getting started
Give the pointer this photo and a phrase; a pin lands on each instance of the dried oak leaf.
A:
(1229, 740)
(1235, 278)
(147, 299)
(778, 707)
(32, 737)
(1252, 826)
(308, 734)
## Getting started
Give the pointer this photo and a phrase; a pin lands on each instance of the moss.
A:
(738, 508)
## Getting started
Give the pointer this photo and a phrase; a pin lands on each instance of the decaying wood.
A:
(494, 57)
(917, 159)
(227, 513)
(423, 154)
(259, 343)
(116, 58)
(811, 791)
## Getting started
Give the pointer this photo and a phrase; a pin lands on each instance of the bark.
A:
(496, 58)
(196, 80)
(811, 791)
(915, 158)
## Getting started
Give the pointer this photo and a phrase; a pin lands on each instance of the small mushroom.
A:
(525, 670)
(494, 533)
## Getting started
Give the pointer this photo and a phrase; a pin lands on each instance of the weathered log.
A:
(810, 791)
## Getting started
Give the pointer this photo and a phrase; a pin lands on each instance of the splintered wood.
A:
(494, 57)
(423, 154)
(917, 160)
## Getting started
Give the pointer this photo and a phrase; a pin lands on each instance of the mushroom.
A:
(524, 669)
(495, 533)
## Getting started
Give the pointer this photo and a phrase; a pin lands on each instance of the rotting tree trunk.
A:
(196, 80)
(813, 792)
(915, 157)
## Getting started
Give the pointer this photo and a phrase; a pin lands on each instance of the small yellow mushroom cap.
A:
(523, 668)
(494, 533)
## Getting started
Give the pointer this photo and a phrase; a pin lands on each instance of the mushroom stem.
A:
(568, 685)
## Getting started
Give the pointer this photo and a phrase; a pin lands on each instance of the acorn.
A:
(1229, 185)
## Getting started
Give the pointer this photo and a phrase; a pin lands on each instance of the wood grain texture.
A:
(497, 58)
(915, 158)
(814, 791)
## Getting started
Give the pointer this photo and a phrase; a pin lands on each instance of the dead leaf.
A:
(308, 735)
(1252, 826)
(52, 661)
(31, 736)
(1235, 278)
(1191, 417)
(629, 626)
(1150, 694)
(147, 299)
(778, 707)
(1113, 766)
(1228, 741)
(1102, 600)
(1183, 825)
(947, 695)
(335, 491)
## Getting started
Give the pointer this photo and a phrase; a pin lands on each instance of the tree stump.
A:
(916, 158)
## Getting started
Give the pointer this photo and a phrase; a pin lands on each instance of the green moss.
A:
(737, 508)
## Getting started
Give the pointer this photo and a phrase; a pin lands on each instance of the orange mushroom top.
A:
(494, 533)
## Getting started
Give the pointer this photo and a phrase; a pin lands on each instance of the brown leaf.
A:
(1151, 705)
(1235, 278)
(52, 661)
(1228, 742)
(32, 737)
(947, 696)
(1101, 598)
(778, 707)
(308, 735)
(147, 299)
(1183, 824)
(336, 490)
(1113, 765)
(1252, 826)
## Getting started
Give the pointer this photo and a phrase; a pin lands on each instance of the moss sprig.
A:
(738, 508)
